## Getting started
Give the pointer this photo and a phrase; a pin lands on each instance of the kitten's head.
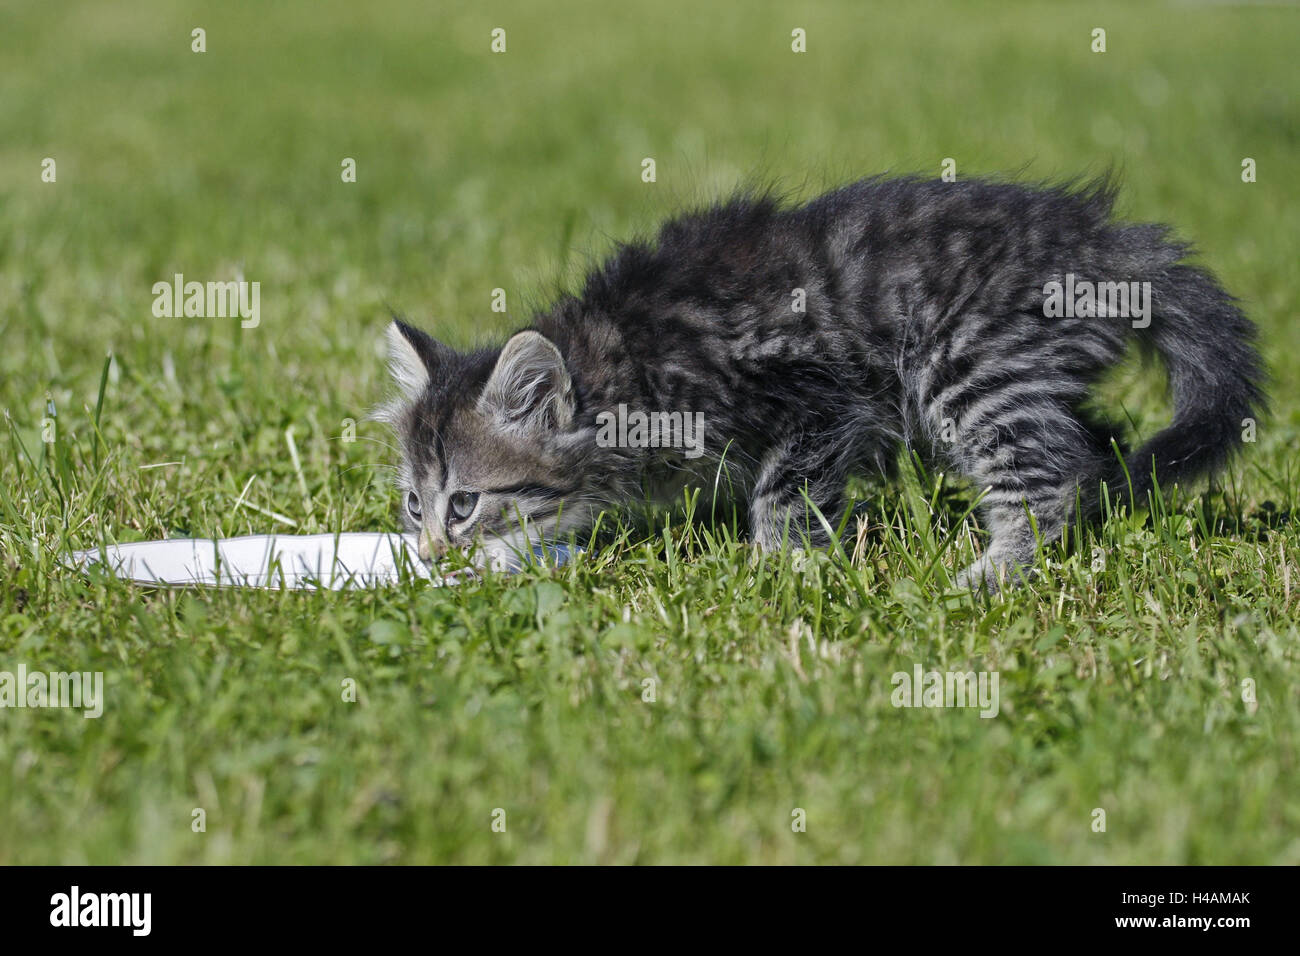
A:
(490, 446)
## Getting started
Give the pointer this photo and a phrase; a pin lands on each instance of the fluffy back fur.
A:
(813, 340)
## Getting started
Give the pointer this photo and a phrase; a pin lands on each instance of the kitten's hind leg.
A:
(1035, 464)
(795, 473)
(1011, 552)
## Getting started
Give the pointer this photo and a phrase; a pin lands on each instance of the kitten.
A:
(967, 320)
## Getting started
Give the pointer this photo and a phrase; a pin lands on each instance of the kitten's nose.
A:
(431, 545)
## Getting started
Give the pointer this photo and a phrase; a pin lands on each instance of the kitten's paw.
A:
(982, 575)
(993, 576)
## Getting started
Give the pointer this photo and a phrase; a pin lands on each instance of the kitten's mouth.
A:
(499, 551)
(434, 549)
(508, 553)
(446, 552)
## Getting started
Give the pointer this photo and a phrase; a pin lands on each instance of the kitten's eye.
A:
(462, 504)
(413, 504)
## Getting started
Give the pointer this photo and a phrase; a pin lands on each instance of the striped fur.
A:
(924, 324)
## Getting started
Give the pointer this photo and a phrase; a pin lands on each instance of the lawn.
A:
(669, 698)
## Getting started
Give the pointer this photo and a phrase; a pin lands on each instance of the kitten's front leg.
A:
(795, 474)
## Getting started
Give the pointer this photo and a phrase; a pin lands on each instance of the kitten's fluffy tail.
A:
(1215, 375)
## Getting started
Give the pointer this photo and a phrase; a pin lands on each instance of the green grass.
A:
(1121, 688)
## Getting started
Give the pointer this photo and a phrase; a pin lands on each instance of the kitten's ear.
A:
(413, 356)
(530, 387)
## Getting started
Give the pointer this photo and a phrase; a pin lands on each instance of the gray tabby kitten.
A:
(967, 320)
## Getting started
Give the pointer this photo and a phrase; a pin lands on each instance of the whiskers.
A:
(391, 470)
(386, 445)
